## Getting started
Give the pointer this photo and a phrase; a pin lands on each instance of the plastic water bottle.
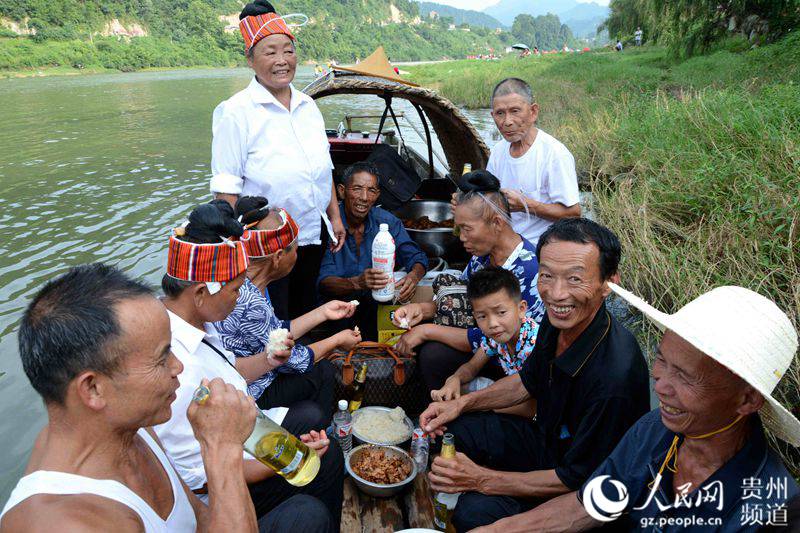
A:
(343, 424)
(383, 259)
(420, 446)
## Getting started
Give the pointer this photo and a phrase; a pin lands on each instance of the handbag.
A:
(453, 308)
(392, 380)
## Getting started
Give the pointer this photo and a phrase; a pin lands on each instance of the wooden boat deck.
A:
(362, 513)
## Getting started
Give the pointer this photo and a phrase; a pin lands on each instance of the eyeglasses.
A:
(372, 191)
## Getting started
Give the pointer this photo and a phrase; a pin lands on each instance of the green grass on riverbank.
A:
(695, 165)
(21, 56)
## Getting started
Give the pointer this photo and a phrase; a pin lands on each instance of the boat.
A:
(405, 193)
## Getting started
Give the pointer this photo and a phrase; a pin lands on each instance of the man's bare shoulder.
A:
(71, 513)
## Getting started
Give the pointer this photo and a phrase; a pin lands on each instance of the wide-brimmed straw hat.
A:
(743, 331)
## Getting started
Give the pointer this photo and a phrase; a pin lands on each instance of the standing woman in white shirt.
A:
(269, 140)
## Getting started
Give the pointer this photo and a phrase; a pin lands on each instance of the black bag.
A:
(399, 182)
(452, 305)
(392, 380)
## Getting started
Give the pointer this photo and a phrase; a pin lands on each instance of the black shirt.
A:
(588, 397)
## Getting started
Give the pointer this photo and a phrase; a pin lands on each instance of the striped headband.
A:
(218, 262)
(256, 27)
(261, 243)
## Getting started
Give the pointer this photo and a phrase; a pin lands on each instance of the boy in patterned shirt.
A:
(509, 330)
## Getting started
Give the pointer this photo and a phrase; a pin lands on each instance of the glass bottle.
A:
(355, 391)
(275, 447)
(444, 503)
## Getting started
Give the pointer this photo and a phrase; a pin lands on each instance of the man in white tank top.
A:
(96, 346)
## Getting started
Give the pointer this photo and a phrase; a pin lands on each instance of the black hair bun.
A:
(259, 7)
(209, 223)
(479, 181)
(252, 209)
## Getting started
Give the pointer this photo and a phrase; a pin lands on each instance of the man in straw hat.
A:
(701, 458)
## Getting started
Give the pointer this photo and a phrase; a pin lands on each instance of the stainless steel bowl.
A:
(377, 489)
(361, 438)
(436, 242)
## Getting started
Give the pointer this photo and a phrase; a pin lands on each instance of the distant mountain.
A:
(582, 18)
(460, 16)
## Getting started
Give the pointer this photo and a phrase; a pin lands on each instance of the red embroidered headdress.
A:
(218, 262)
(261, 243)
(256, 27)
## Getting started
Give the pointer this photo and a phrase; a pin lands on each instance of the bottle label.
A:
(343, 431)
(294, 464)
(354, 405)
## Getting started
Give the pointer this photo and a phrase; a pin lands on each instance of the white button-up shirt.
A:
(199, 361)
(262, 149)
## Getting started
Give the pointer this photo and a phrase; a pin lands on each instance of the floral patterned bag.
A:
(452, 305)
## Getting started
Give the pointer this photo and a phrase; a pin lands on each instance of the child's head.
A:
(497, 303)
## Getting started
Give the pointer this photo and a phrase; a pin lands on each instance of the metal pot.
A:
(377, 489)
(436, 242)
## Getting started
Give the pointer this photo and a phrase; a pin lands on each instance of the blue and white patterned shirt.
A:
(246, 330)
(523, 264)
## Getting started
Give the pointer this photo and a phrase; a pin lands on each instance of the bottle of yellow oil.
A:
(355, 391)
(277, 448)
(444, 503)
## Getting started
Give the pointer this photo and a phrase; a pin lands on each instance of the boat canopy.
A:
(459, 139)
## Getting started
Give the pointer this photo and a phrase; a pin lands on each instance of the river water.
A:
(99, 168)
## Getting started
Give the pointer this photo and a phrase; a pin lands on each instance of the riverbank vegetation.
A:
(139, 34)
(694, 164)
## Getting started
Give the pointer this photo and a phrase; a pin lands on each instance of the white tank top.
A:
(181, 519)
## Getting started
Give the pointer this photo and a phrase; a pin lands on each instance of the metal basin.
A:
(377, 489)
(436, 242)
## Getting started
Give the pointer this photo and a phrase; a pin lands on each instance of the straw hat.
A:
(742, 331)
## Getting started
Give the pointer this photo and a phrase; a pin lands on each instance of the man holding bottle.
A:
(97, 465)
(586, 374)
(348, 274)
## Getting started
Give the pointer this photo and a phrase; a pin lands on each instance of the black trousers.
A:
(438, 361)
(296, 513)
(316, 385)
(327, 487)
(500, 442)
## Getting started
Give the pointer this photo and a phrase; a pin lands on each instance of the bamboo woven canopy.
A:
(460, 140)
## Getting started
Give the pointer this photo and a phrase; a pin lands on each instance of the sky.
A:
(480, 5)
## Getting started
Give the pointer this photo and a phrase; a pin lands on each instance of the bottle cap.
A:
(384, 227)
(342, 405)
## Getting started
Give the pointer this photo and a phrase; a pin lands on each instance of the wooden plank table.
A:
(362, 513)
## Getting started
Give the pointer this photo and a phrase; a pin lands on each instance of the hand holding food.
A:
(346, 339)
(412, 313)
(337, 310)
(279, 340)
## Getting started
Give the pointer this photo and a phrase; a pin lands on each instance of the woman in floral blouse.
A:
(482, 214)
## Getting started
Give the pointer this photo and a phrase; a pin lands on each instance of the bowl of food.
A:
(382, 426)
(381, 471)
(430, 224)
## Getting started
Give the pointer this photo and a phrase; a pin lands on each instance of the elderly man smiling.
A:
(348, 274)
(701, 460)
(536, 171)
(586, 373)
